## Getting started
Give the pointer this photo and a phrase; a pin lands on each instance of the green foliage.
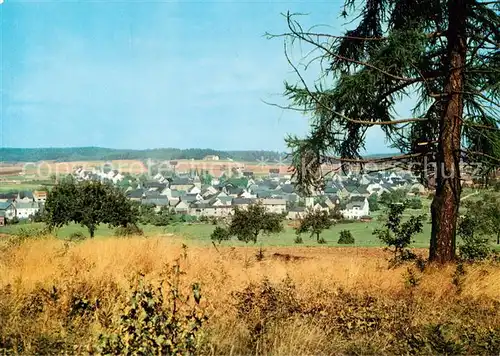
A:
(151, 325)
(373, 202)
(393, 197)
(220, 234)
(88, 203)
(77, 236)
(346, 238)
(392, 49)
(129, 230)
(247, 224)
(398, 235)
(474, 246)
(485, 214)
(108, 154)
(414, 203)
(314, 222)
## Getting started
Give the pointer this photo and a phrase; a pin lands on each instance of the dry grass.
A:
(323, 279)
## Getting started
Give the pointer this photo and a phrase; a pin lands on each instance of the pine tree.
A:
(443, 53)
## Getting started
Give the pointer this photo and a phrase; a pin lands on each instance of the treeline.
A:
(107, 154)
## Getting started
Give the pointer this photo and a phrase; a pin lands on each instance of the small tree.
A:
(247, 224)
(474, 246)
(373, 202)
(89, 203)
(220, 234)
(414, 203)
(486, 215)
(399, 235)
(314, 222)
(346, 238)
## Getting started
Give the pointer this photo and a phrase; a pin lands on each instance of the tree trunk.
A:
(91, 230)
(446, 202)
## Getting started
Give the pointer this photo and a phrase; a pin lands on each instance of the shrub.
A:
(148, 325)
(77, 236)
(474, 247)
(220, 234)
(346, 238)
(129, 230)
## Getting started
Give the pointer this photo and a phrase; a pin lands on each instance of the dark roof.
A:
(151, 194)
(331, 190)
(163, 201)
(5, 206)
(181, 181)
(243, 201)
(274, 170)
(248, 174)
(288, 188)
(297, 209)
(190, 198)
(155, 185)
(26, 194)
(137, 193)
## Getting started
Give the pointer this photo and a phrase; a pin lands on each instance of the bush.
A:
(474, 246)
(129, 230)
(220, 234)
(149, 325)
(77, 236)
(346, 238)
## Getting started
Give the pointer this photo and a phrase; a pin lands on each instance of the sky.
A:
(148, 74)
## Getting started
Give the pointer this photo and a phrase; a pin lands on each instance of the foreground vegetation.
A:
(57, 297)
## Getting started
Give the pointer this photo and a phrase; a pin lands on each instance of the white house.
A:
(194, 190)
(274, 205)
(7, 210)
(375, 188)
(356, 209)
(25, 210)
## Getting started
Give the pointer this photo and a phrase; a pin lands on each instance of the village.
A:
(200, 194)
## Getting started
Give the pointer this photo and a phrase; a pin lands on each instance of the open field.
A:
(199, 233)
(58, 297)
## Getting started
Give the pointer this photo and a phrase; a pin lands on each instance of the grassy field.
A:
(58, 298)
(199, 233)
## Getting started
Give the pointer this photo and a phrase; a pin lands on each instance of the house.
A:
(417, 188)
(296, 213)
(274, 172)
(7, 211)
(194, 190)
(135, 195)
(182, 207)
(356, 208)
(321, 206)
(375, 188)
(274, 205)
(184, 184)
(25, 210)
(242, 203)
(25, 197)
(332, 201)
(211, 158)
(157, 202)
(209, 209)
(7, 197)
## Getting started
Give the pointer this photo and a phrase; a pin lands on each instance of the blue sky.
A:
(148, 74)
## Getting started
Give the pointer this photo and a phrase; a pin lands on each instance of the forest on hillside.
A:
(13, 155)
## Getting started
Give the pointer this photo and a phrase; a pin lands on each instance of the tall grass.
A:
(58, 296)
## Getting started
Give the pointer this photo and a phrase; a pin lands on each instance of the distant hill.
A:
(13, 155)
